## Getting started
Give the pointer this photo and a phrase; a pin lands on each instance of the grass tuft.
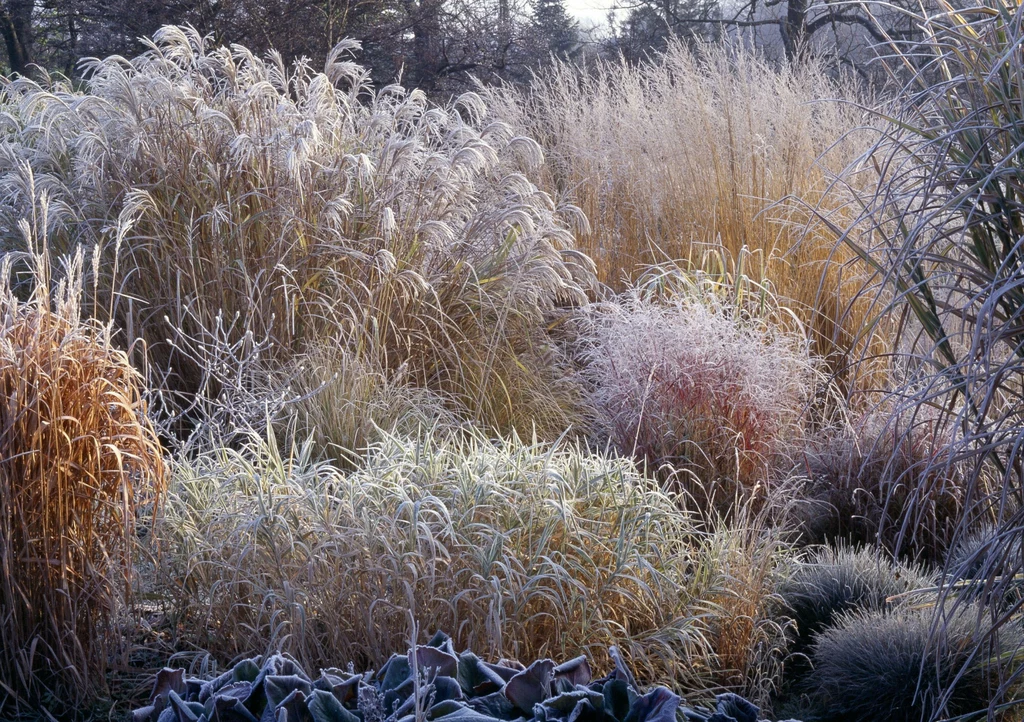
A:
(832, 583)
(523, 550)
(881, 479)
(905, 668)
(79, 464)
(696, 386)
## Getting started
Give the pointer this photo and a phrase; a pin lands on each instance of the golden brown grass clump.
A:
(77, 459)
(717, 149)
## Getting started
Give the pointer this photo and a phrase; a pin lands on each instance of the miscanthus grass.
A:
(298, 204)
(80, 469)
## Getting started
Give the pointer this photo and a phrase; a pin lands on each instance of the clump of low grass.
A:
(79, 462)
(696, 385)
(308, 206)
(880, 478)
(522, 550)
(818, 591)
(908, 666)
(345, 403)
(713, 147)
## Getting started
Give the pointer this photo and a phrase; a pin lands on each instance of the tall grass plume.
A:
(310, 206)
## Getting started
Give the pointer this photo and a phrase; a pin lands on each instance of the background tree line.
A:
(438, 44)
(428, 43)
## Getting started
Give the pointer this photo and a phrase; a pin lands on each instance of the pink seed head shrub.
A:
(696, 389)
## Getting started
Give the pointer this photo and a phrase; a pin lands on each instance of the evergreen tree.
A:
(556, 30)
(650, 23)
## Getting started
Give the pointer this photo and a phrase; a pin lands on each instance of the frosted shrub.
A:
(687, 383)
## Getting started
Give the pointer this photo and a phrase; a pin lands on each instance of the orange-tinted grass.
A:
(78, 460)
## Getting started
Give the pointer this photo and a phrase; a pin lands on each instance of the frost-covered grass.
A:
(299, 205)
(80, 467)
(695, 385)
(402, 382)
(522, 549)
(709, 149)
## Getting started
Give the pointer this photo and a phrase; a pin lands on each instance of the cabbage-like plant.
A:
(430, 682)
